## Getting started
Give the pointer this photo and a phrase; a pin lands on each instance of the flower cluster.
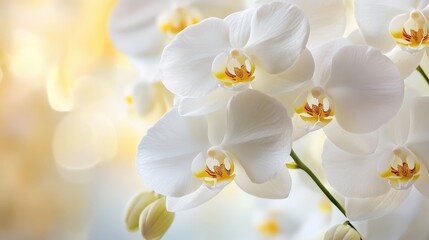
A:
(250, 79)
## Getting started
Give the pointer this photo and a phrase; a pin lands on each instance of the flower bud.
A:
(135, 208)
(155, 220)
(342, 232)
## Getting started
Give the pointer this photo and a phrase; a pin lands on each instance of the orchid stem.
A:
(304, 167)
(300, 165)
(422, 72)
(292, 166)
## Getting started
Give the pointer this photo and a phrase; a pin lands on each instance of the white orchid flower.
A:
(355, 85)
(401, 223)
(378, 182)
(397, 28)
(263, 46)
(191, 159)
(142, 28)
(147, 99)
(327, 19)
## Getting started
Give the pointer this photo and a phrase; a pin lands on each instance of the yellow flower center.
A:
(414, 33)
(233, 69)
(218, 169)
(315, 109)
(174, 20)
(404, 169)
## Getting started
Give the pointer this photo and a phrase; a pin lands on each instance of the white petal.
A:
(366, 88)
(373, 18)
(323, 56)
(239, 25)
(288, 81)
(418, 140)
(359, 209)
(186, 62)
(422, 184)
(411, 213)
(276, 188)
(353, 175)
(327, 19)
(279, 33)
(133, 27)
(288, 98)
(214, 101)
(351, 142)
(405, 61)
(165, 154)
(258, 134)
(216, 122)
(195, 199)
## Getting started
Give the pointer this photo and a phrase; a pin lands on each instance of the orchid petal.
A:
(239, 26)
(133, 27)
(418, 137)
(195, 199)
(276, 188)
(214, 101)
(374, 17)
(186, 62)
(366, 88)
(279, 33)
(353, 175)
(289, 80)
(405, 61)
(423, 182)
(351, 142)
(359, 209)
(166, 153)
(258, 134)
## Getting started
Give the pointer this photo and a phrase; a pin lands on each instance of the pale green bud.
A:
(136, 206)
(155, 220)
(342, 232)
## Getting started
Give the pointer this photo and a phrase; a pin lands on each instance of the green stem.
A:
(304, 167)
(300, 165)
(292, 166)
(422, 72)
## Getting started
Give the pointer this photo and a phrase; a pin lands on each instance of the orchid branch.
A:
(422, 72)
(300, 165)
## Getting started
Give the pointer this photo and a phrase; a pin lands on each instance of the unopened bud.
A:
(342, 232)
(155, 220)
(136, 206)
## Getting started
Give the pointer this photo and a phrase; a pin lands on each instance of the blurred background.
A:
(68, 138)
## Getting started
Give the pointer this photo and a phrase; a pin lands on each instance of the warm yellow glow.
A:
(28, 63)
(82, 140)
(269, 227)
(59, 90)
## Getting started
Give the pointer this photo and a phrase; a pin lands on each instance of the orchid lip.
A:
(217, 170)
(315, 108)
(234, 70)
(410, 33)
(177, 18)
(403, 170)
